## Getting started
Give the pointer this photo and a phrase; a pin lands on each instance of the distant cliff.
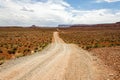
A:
(117, 24)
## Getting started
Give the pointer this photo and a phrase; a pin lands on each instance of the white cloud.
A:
(50, 13)
(27, 9)
(96, 16)
(109, 1)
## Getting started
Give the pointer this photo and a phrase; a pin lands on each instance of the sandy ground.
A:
(58, 61)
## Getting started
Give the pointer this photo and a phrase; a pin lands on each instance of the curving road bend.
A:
(58, 61)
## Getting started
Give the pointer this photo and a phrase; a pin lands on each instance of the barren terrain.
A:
(58, 61)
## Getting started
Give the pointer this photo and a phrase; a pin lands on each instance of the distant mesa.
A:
(34, 26)
(117, 24)
(64, 25)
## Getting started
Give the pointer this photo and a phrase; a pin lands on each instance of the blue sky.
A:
(92, 4)
(55, 12)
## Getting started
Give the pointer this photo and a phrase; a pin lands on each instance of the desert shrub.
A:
(88, 47)
(1, 51)
(2, 57)
(11, 51)
(26, 50)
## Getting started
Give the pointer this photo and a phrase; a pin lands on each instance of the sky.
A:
(55, 12)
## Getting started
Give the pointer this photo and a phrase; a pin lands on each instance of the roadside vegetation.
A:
(18, 42)
(91, 37)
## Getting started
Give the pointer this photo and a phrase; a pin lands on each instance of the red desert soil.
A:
(110, 57)
(58, 61)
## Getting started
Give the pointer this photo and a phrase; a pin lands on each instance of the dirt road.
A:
(58, 61)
